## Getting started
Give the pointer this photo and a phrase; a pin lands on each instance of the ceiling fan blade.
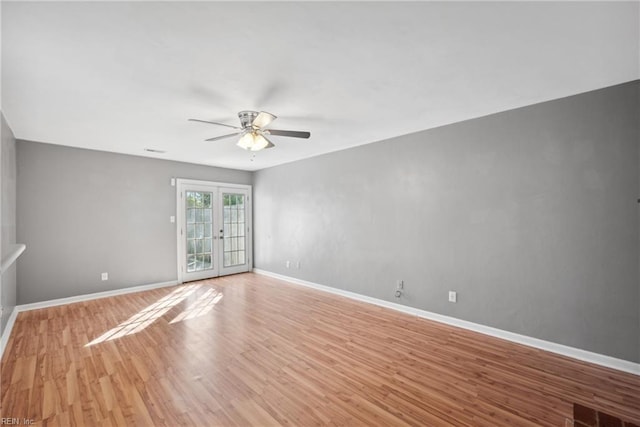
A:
(291, 133)
(269, 145)
(257, 143)
(214, 123)
(215, 138)
(263, 119)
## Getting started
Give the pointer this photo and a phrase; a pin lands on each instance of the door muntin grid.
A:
(233, 229)
(199, 253)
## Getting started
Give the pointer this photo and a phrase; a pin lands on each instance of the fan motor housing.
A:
(247, 117)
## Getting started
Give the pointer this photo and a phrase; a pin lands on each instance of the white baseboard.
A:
(96, 295)
(575, 353)
(7, 331)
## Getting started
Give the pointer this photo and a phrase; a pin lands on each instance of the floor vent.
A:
(588, 417)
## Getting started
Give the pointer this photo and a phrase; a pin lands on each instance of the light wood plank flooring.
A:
(252, 350)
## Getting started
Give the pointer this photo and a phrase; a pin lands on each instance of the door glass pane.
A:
(199, 226)
(191, 263)
(233, 226)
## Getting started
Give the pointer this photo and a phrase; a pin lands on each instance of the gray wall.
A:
(8, 218)
(83, 212)
(530, 214)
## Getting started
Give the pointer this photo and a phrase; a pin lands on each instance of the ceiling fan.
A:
(253, 130)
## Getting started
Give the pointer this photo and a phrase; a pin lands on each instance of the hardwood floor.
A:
(252, 350)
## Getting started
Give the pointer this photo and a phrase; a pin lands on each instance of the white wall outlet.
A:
(173, 182)
(453, 296)
(172, 219)
(400, 284)
(298, 265)
(288, 264)
(105, 276)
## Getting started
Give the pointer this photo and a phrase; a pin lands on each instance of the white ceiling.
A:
(124, 76)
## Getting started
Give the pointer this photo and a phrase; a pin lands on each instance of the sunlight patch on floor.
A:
(147, 316)
(203, 305)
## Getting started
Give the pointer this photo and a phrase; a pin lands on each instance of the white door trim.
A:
(180, 183)
(214, 183)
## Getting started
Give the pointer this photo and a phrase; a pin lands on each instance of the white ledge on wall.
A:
(14, 252)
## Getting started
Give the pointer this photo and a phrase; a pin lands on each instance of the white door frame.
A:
(181, 183)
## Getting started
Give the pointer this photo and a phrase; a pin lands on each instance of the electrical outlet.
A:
(400, 284)
(105, 276)
(288, 264)
(453, 296)
(298, 265)
(172, 219)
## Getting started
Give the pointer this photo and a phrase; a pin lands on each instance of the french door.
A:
(214, 229)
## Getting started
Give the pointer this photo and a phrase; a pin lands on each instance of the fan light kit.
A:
(253, 141)
(253, 131)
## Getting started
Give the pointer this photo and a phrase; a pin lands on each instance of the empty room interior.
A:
(320, 213)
